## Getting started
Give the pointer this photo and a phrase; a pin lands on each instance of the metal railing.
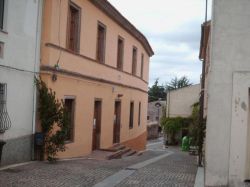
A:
(5, 122)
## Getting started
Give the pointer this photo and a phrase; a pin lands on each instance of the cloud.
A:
(188, 33)
(173, 30)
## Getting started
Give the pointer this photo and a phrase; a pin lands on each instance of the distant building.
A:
(180, 101)
(20, 31)
(226, 69)
(98, 63)
(155, 113)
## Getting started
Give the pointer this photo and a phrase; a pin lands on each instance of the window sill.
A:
(69, 142)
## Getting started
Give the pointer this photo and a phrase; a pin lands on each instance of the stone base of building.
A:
(17, 150)
(138, 143)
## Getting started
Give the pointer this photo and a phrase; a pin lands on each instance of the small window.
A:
(139, 114)
(120, 53)
(1, 13)
(131, 115)
(142, 65)
(1, 49)
(134, 61)
(101, 43)
(147, 117)
(73, 36)
(70, 106)
(156, 118)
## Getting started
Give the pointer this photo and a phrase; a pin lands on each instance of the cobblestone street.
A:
(173, 168)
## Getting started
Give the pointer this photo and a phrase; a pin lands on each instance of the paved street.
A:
(156, 167)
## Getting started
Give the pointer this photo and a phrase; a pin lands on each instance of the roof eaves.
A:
(114, 14)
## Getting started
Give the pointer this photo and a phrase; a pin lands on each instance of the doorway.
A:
(97, 125)
(117, 122)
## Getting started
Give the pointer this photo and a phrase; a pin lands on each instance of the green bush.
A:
(171, 126)
(195, 124)
(54, 121)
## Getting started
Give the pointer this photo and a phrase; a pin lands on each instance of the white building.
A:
(180, 101)
(20, 26)
(227, 149)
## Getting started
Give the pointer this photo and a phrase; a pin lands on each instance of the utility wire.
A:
(17, 69)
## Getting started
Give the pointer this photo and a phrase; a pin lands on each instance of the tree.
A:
(156, 92)
(176, 83)
(54, 121)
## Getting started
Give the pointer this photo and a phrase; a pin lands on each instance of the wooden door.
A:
(97, 125)
(117, 122)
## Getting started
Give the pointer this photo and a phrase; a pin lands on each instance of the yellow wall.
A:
(86, 90)
(90, 15)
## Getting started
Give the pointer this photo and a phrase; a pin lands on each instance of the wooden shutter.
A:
(1, 13)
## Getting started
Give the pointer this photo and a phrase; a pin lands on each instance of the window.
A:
(70, 105)
(131, 115)
(73, 36)
(5, 122)
(101, 34)
(1, 13)
(1, 49)
(134, 61)
(147, 117)
(139, 114)
(142, 64)
(120, 53)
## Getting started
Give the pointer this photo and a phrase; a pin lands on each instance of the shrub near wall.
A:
(54, 120)
(173, 126)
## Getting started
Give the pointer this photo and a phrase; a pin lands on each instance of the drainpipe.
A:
(36, 69)
(206, 12)
(168, 103)
(201, 120)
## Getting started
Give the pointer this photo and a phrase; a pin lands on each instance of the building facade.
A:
(227, 83)
(180, 101)
(98, 63)
(20, 26)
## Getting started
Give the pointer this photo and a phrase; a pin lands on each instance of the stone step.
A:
(115, 148)
(140, 153)
(118, 154)
(130, 153)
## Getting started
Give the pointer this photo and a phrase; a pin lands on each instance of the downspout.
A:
(206, 12)
(36, 69)
(201, 113)
(168, 103)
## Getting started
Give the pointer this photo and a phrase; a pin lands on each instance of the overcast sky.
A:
(173, 29)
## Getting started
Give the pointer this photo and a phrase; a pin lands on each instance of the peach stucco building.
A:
(98, 63)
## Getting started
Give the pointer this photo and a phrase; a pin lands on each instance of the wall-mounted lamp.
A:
(119, 95)
(54, 77)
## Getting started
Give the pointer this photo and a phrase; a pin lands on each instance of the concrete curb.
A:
(199, 179)
(16, 165)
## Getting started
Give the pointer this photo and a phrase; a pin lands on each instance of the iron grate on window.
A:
(5, 122)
